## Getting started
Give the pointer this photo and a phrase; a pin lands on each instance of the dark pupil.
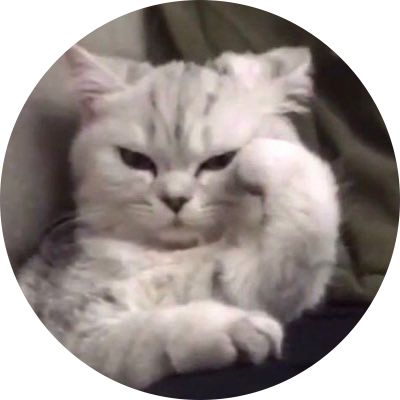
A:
(137, 160)
(217, 162)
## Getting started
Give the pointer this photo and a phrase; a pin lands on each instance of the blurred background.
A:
(344, 126)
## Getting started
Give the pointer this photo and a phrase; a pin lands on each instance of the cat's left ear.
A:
(289, 66)
(90, 78)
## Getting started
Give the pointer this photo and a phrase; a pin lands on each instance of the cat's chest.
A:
(149, 278)
(179, 278)
(170, 278)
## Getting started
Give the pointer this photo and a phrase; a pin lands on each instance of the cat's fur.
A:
(256, 242)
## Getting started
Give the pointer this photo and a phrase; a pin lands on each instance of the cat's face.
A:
(156, 158)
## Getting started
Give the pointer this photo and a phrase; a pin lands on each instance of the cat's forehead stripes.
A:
(210, 101)
(196, 102)
(181, 100)
(180, 108)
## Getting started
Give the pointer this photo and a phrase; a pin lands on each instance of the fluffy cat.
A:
(209, 225)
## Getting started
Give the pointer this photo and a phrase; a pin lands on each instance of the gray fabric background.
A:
(345, 128)
(35, 185)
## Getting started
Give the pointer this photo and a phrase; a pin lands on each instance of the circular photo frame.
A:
(200, 200)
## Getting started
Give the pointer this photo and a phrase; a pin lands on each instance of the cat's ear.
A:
(91, 79)
(246, 68)
(288, 66)
(292, 66)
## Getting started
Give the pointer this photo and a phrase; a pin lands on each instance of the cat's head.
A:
(155, 155)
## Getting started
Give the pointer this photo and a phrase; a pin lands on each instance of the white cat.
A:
(210, 225)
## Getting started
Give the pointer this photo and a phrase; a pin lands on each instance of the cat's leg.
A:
(300, 229)
(141, 348)
(208, 335)
(136, 346)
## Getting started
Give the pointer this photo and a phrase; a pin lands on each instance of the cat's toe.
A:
(257, 337)
(270, 327)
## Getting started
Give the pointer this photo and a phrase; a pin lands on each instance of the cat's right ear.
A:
(91, 79)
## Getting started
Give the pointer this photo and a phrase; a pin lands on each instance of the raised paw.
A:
(267, 163)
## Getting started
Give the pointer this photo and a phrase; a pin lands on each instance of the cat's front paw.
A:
(215, 336)
(266, 163)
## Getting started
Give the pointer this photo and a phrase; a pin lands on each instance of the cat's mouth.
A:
(177, 223)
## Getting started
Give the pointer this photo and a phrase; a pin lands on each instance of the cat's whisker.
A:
(220, 203)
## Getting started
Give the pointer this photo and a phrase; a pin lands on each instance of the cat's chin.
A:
(179, 238)
(182, 237)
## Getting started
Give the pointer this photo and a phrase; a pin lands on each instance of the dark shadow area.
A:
(307, 341)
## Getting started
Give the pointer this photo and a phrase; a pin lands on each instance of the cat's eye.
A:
(217, 162)
(136, 160)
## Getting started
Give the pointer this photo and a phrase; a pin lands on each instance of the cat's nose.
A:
(174, 203)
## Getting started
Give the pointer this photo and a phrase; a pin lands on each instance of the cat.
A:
(208, 223)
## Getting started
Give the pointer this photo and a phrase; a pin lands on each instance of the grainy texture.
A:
(176, 266)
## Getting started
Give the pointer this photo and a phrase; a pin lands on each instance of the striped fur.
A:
(154, 292)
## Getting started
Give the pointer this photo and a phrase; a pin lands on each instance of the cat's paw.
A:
(212, 336)
(256, 336)
(265, 163)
